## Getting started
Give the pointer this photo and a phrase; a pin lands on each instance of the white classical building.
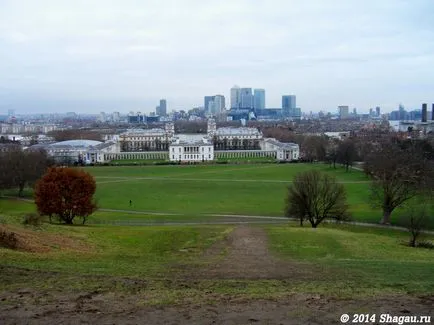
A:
(191, 147)
(136, 140)
(284, 151)
(164, 144)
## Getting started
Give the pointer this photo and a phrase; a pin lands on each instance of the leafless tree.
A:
(315, 196)
(398, 175)
(346, 153)
(21, 168)
(415, 219)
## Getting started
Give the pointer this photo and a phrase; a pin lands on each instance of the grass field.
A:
(350, 260)
(231, 189)
(189, 193)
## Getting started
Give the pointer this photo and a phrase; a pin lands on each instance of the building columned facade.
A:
(191, 147)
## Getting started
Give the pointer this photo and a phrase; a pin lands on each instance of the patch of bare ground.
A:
(31, 240)
(110, 308)
(244, 254)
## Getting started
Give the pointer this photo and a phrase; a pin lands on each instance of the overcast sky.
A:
(102, 55)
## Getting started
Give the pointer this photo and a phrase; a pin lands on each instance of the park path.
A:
(246, 256)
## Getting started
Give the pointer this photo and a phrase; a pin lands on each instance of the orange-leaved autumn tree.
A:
(66, 193)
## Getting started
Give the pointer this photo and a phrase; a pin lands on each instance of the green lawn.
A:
(358, 257)
(120, 251)
(232, 189)
(253, 189)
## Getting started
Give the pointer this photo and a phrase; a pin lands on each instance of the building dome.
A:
(78, 144)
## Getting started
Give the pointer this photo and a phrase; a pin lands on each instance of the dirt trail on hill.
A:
(246, 256)
(242, 255)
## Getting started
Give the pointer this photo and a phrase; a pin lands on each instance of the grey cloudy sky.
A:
(102, 55)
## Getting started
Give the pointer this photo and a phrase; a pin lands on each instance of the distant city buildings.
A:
(424, 112)
(343, 112)
(161, 110)
(235, 97)
(246, 98)
(289, 107)
(214, 105)
(259, 99)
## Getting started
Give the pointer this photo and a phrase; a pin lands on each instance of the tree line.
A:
(401, 173)
(19, 168)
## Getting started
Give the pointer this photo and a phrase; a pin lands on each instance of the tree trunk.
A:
(301, 222)
(20, 189)
(413, 241)
(386, 217)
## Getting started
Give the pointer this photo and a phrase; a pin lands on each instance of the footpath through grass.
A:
(349, 261)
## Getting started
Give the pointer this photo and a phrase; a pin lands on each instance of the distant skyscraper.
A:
(219, 104)
(163, 107)
(343, 112)
(246, 98)
(259, 99)
(116, 117)
(207, 100)
(432, 112)
(378, 111)
(401, 112)
(102, 117)
(157, 110)
(424, 112)
(288, 105)
(235, 97)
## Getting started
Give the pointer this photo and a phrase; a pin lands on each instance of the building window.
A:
(209, 156)
(173, 156)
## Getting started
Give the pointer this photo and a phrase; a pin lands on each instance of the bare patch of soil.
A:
(110, 308)
(30, 240)
(244, 254)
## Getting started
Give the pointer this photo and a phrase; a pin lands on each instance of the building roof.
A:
(191, 140)
(282, 145)
(75, 144)
(237, 131)
(138, 132)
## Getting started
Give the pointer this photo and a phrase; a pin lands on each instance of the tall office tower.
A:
(219, 104)
(116, 117)
(235, 97)
(102, 117)
(157, 110)
(207, 100)
(259, 99)
(401, 112)
(424, 112)
(378, 111)
(163, 107)
(288, 105)
(343, 112)
(246, 98)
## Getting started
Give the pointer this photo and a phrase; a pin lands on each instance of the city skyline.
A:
(112, 56)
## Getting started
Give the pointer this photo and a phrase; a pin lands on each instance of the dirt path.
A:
(243, 254)
(246, 256)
